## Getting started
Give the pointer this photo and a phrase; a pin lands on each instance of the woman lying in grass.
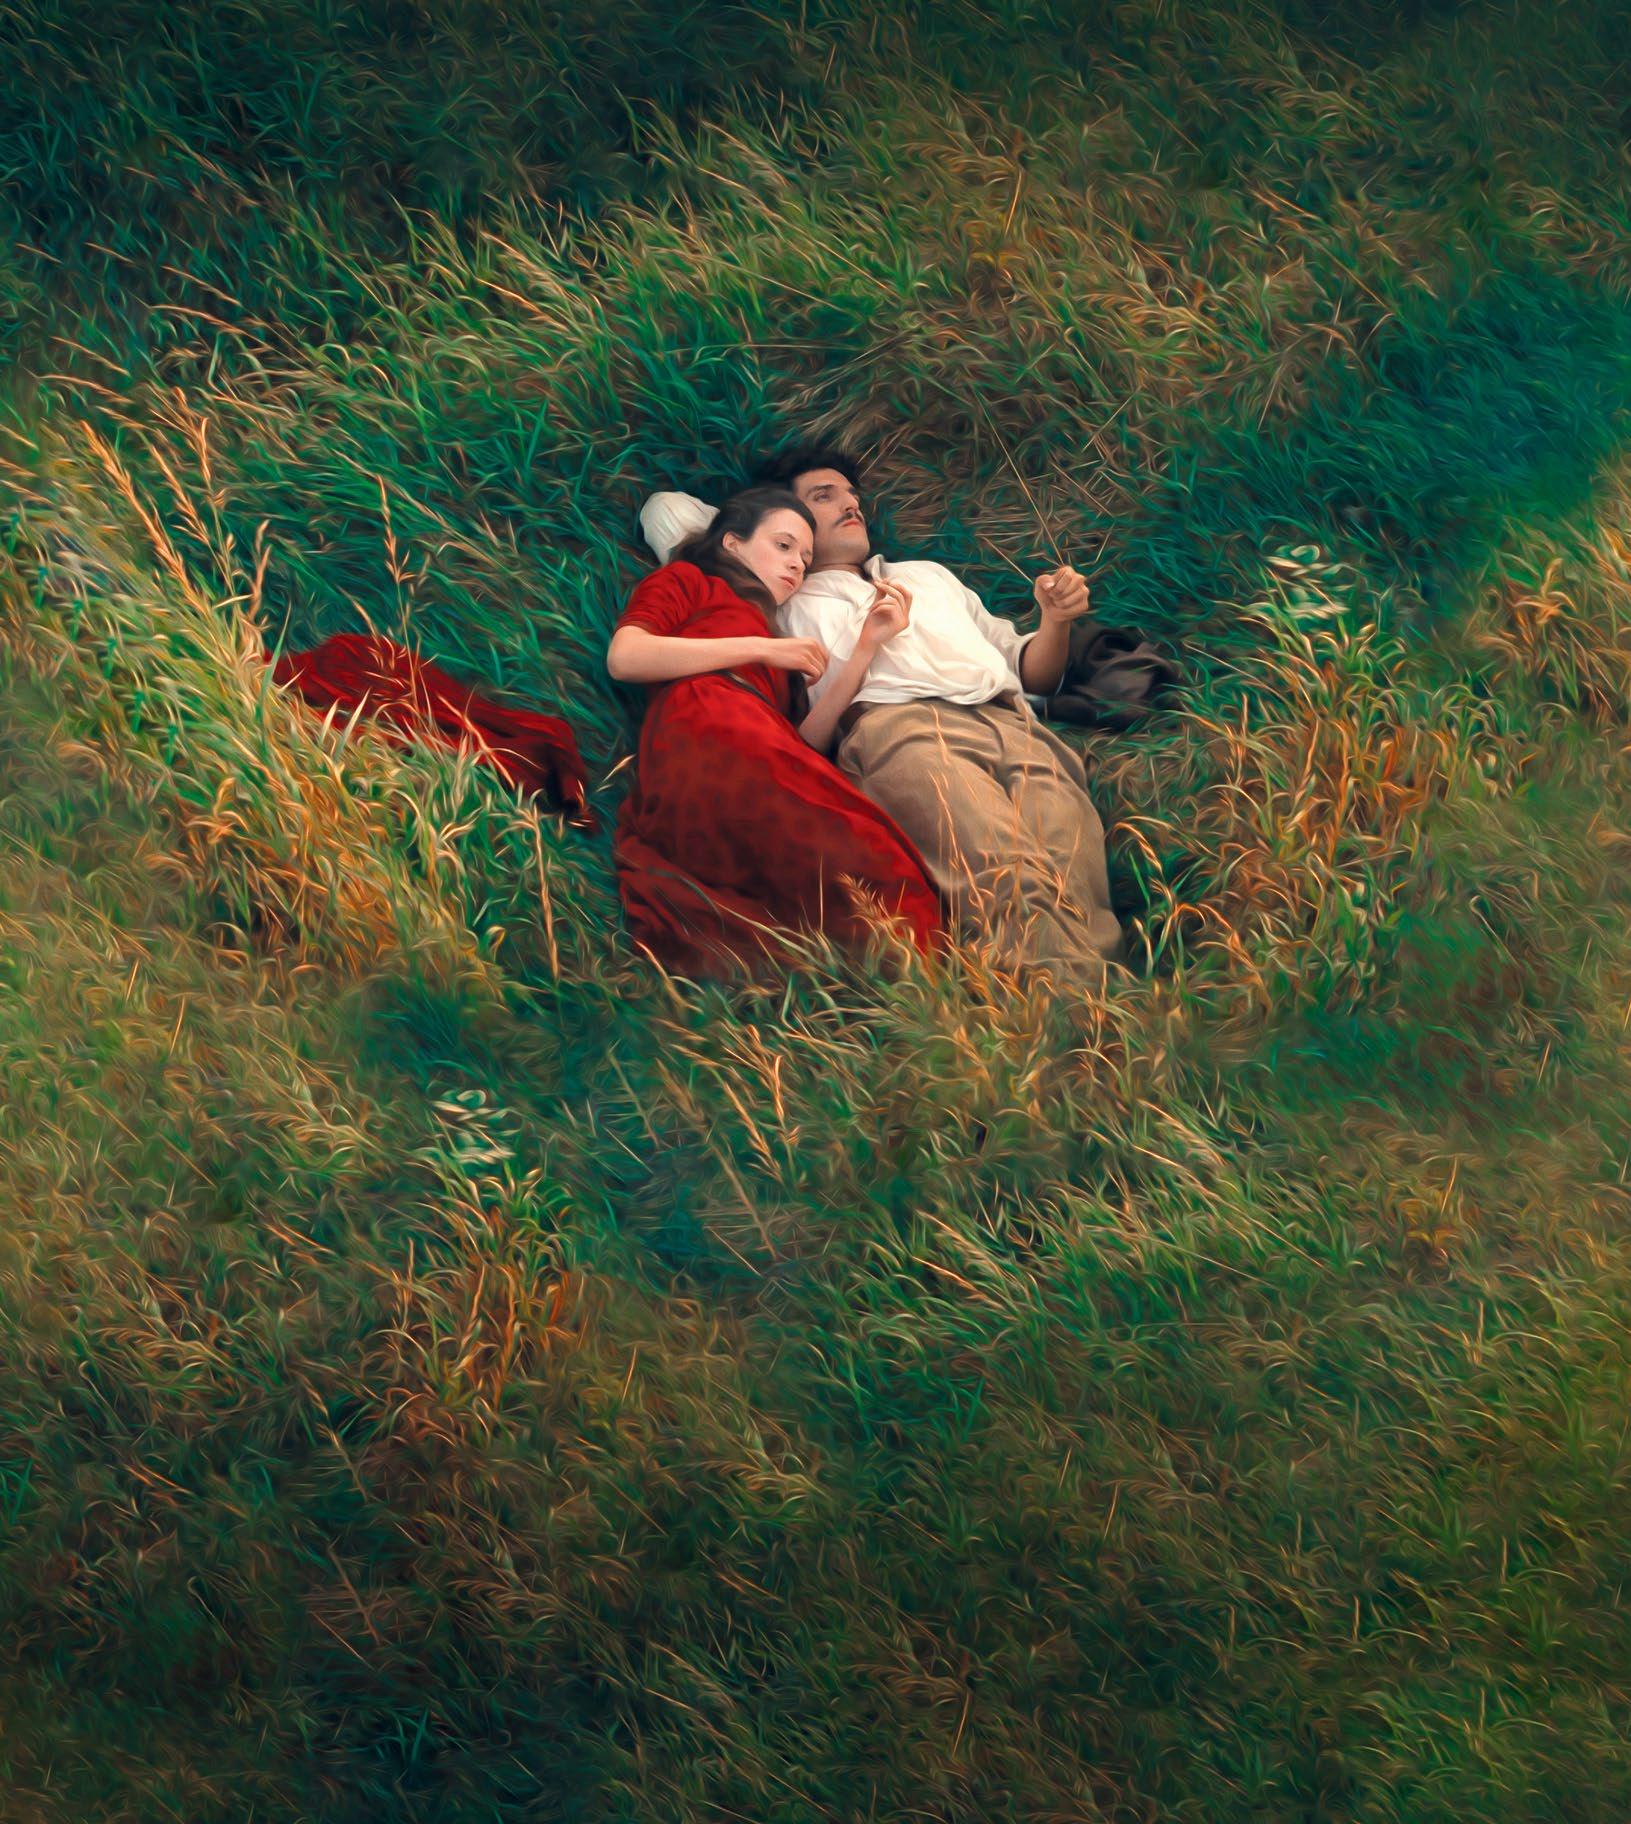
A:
(738, 827)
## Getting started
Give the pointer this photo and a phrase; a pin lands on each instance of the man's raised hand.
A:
(1062, 594)
(888, 615)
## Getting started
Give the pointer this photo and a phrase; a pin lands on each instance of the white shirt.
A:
(952, 648)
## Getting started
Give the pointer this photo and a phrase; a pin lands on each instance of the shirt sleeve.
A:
(663, 601)
(1002, 634)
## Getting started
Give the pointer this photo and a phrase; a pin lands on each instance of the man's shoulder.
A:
(918, 569)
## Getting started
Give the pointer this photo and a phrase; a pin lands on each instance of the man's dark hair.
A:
(784, 468)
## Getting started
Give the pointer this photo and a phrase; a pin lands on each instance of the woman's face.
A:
(777, 551)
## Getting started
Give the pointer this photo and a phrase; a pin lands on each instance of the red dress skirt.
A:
(736, 828)
(409, 696)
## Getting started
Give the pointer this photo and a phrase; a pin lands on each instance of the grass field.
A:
(449, 1372)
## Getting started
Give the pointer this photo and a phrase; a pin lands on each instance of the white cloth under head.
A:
(667, 520)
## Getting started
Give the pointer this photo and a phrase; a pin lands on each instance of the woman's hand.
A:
(806, 656)
(889, 614)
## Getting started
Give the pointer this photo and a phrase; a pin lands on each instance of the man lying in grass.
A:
(933, 724)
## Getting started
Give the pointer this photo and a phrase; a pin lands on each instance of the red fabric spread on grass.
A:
(409, 695)
(736, 827)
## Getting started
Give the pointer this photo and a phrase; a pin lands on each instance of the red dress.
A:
(736, 826)
(409, 696)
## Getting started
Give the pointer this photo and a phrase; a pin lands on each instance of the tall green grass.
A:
(449, 1371)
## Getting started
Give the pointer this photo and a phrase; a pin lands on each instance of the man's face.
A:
(840, 526)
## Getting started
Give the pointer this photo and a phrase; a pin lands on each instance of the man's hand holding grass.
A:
(1062, 597)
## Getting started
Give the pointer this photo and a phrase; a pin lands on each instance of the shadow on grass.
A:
(1496, 403)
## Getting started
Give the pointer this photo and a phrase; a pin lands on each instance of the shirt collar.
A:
(845, 580)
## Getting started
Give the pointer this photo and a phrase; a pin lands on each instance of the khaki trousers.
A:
(998, 807)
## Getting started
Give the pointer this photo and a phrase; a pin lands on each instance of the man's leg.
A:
(1066, 882)
(933, 766)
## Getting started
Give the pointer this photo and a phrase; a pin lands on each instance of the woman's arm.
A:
(637, 656)
(819, 726)
(889, 613)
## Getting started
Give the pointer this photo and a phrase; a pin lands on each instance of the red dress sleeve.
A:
(664, 601)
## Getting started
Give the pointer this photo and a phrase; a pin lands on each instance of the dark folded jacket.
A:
(1111, 678)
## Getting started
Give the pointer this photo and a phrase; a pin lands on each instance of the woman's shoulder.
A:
(673, 582)
(677, 596)
(681, 577)
(683, 581)
(678, 570)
